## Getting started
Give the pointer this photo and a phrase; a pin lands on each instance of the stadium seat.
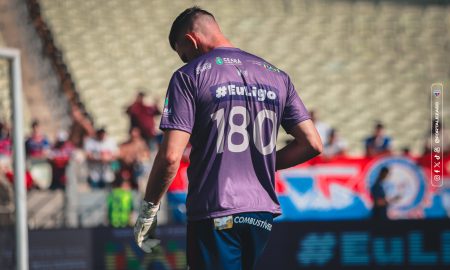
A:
(354, 61)
(5, 111)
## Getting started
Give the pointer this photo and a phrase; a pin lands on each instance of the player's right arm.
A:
(305, 146)
(297, 122)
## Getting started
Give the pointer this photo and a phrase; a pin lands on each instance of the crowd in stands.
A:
(378, 143)
(106, 160)
(120, 168)
(117, 167)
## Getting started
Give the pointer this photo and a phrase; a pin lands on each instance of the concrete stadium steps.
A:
(5, 111)
(42, 97)
(353, 61)
(92, 208)
(45, 209)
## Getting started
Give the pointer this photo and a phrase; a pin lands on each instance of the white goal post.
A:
(13, 57)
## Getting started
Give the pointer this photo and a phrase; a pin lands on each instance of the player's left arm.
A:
(164, 169)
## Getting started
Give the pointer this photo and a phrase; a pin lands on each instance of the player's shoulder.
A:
(265, 66)
(229, 56)
(196, 66)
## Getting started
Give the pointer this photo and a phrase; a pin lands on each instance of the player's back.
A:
(232, 103)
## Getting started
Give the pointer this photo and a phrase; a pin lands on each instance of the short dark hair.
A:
(35, 123)
(379, 125)
(100, 131)
(183, 21)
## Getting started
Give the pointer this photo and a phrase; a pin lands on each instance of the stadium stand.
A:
(5, 112)
(45, 209)
(42, 98)
(372, 56)
(354, 62)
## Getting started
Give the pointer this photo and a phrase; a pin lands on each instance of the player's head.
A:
(195, 32)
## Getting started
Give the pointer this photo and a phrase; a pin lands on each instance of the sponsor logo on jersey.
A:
(254, 62)
(223, 223)
(166, 111)
(219, 60)
(200, 68)
(232, 61)
(270, 67)
(228, 61)
(236, 90)
(267, 66)
(253, 221)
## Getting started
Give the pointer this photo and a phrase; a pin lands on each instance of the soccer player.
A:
(229, 104)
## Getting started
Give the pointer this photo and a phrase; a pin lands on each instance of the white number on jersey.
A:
(241, 130)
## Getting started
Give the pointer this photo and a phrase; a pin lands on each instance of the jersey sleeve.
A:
(294, 110)
(179, 105)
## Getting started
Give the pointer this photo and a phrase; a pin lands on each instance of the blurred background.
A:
(95, 73)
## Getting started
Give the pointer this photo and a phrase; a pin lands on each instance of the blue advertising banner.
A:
(55, 249)
(359, 245)
(340, 189)
(327, 245)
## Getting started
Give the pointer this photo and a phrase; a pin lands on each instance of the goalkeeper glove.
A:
(144, 230)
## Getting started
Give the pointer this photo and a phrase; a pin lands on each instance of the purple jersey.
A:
(232, 103)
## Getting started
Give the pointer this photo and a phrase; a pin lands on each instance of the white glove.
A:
(144, 230)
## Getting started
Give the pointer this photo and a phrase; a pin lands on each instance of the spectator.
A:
(5, 157)
(142, 116)
(333, 145)
(37, 148)
(10, 175)
(37, 145)
(59, 159)
(5, 141)
(322, 128)
(378, 143)
(100, 153)
(82, 126)
(6, 200)
(133, 154)
(380, 201)
(406, 152)
(120, 204)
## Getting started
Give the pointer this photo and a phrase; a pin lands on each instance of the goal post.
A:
(15, 75)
